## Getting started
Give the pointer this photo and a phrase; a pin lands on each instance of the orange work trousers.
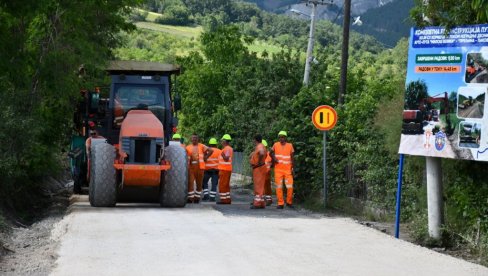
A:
(287, 178)
(259, 179)
(195, 174)
(224, 186)
(267, 188)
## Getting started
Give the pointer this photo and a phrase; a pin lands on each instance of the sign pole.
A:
(399, 197)
(324, 118)
(325, 167)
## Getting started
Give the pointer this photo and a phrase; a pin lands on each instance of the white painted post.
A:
(435, 202)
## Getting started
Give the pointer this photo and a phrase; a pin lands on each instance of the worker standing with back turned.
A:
(211, 171)
(267, 183)
(225, 170)
(259, 172)
(196, 152)
(177, 138)
(282, 154)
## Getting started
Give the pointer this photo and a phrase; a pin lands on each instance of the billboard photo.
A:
(445, 93)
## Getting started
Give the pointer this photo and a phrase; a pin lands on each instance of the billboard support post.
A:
(435, 204)
(399, 196)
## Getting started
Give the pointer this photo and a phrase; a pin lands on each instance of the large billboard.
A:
(446, 89)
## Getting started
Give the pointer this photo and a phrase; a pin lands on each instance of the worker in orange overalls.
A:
(267, 183)
(211, 171)
(225, 170)
(282, 154)
(259, 172)
(177, 138)
(196, 152)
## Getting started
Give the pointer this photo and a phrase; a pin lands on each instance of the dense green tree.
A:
(414, 93)
(42, 46)
(450, 12)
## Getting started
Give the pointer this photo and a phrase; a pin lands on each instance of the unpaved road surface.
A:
(209, 239)
(474, 111)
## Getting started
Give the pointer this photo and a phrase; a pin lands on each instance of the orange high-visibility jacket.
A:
(283, 156)
(226, 165)
(196, 157)
(255, 155)
(268, 161)
(212, 162)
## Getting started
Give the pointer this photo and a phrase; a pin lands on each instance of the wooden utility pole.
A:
(345, 51)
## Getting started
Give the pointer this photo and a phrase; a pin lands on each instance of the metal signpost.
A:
(324, 118)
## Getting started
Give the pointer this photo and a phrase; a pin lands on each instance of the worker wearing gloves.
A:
(282, 154)
(195, 152)
(211, 171)
(225, 170)
(259, 172)
(267, 183)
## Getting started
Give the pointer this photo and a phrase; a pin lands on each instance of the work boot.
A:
(279, 207)
(290, 206)
(196, 201)
(212, 199)
(189, 200)
(205, 198)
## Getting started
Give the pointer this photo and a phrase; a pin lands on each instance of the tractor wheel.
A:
(103, 187)
(174, 184)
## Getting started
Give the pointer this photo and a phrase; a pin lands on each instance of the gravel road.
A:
(211, 239)
(474, 111)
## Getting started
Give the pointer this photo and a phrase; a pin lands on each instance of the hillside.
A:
(386, 20)
(388, 23)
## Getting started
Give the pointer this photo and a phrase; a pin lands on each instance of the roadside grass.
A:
(454, 120)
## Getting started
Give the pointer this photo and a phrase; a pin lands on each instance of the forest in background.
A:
(42, 48)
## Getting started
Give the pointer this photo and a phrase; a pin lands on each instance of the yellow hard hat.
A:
(282, 133)
(264, 143)
(212, 141)
(176, 136)
(226, 137)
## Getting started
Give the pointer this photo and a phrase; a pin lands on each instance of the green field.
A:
(193, 33)
(187, 32)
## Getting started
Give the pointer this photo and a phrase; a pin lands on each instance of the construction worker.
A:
(211, 171)
(267, 183)
(282, 154)
(196, 151)
(177, 138)
(259, 172)
(225, 170)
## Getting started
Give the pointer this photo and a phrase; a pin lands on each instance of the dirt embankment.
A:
(31, 250)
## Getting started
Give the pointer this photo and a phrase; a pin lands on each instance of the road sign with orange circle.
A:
(324, 117)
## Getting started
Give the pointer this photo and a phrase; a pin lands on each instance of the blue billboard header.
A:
(435, 37)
